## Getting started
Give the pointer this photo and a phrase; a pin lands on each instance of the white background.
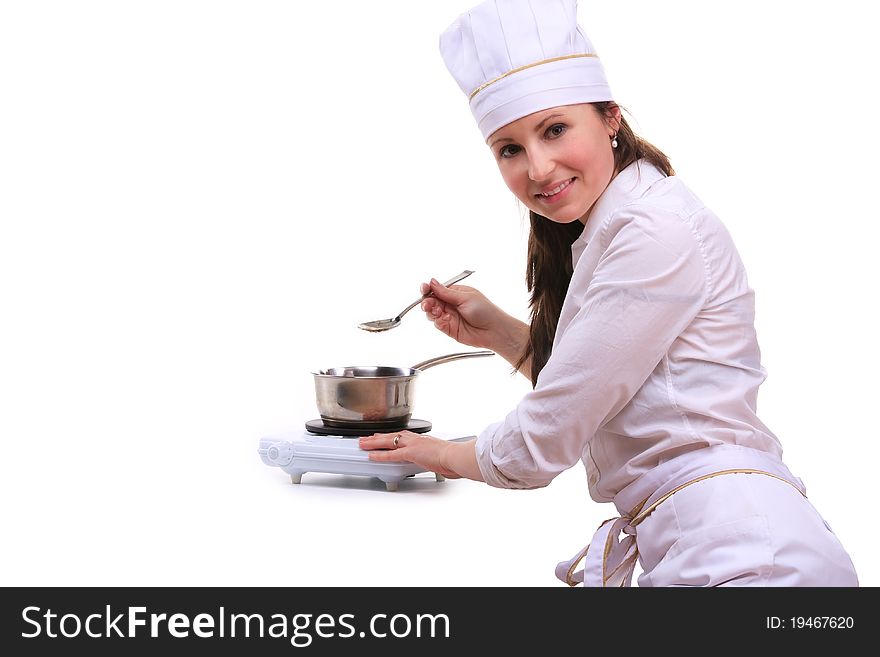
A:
(201, 200)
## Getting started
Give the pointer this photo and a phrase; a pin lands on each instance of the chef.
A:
(641, 346)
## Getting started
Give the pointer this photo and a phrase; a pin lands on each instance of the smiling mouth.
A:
(556, 190)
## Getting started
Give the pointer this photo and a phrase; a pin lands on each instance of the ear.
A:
(613, 119)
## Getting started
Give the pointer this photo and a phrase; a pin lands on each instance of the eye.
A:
(556, 130)
(508, 151)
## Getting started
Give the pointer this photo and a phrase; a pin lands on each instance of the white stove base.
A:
(300, 452)
(391, 481)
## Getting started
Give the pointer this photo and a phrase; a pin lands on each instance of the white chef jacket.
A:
(655, 353)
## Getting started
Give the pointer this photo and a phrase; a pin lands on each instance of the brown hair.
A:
(548, 261)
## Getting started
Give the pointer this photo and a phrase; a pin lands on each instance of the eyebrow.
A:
(537, 128)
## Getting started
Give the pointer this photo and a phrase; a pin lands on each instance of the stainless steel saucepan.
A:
(373, 397)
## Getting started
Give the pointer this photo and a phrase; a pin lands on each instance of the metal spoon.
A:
(385, 324)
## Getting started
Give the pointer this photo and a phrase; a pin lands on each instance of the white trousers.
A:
(740, 530)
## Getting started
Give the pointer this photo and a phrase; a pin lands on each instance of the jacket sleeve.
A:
(650, 282)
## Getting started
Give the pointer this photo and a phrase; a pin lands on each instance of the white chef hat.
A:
(516, 57)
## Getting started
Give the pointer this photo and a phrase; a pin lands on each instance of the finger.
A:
(387, 456)
(387, 446)
(443, 324)
(394, 440)
(431, 304)
(379, 441)
(449, 295)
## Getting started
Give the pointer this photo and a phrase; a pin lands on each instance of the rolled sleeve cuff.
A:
(488, 457)
(491, 475)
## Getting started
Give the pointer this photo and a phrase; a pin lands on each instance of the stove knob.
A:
(280, 453)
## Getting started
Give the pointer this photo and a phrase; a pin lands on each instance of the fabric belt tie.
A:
(611, 562)
(612, 554)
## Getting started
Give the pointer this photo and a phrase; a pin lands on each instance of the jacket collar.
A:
(626, 187)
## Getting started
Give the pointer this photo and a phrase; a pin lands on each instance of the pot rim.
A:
(322, 374)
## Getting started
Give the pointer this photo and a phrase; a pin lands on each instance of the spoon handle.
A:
(452, 281)
(455, 279)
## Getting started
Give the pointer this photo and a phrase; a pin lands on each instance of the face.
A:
(557, 161)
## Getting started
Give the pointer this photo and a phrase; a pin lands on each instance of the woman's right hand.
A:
(463, 313)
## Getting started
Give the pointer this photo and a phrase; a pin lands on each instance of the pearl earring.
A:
(614, 141)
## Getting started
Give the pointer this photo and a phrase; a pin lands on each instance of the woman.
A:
(641, 347)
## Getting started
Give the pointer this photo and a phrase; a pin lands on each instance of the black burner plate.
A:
(318, 427)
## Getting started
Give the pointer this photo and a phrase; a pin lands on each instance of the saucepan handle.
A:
(425, 364)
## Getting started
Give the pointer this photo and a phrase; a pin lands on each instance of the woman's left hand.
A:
(423, 450)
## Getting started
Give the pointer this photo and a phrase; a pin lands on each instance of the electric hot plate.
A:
(318, 427)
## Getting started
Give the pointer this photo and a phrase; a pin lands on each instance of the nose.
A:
(541, 164)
